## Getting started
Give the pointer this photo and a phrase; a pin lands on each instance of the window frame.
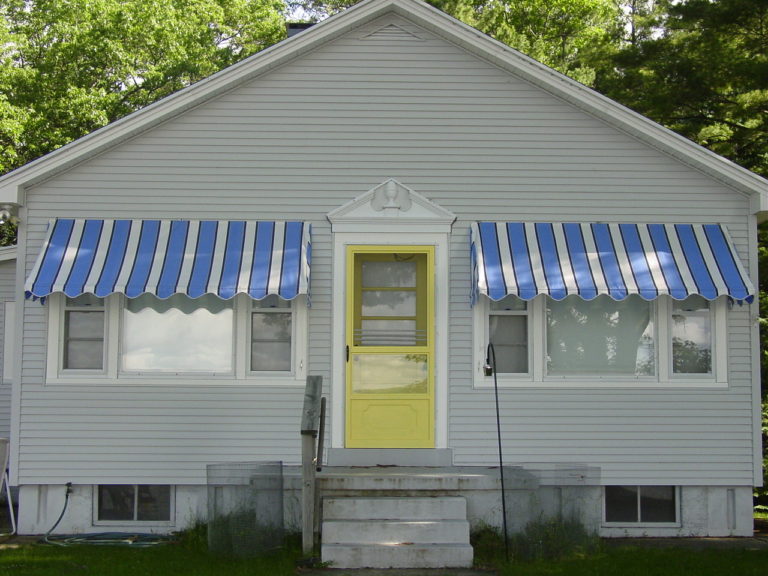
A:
(537, 342)
(717, 318)
(134, 522)
(111, 374)
(164, 373)
(482, 326)
(640, 524)
(298, 341)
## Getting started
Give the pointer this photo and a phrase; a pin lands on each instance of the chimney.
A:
(298, 27)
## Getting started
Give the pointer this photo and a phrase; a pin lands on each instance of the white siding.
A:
(310, 136)
(7, 294)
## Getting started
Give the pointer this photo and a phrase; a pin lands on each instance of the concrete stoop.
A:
(396, 532)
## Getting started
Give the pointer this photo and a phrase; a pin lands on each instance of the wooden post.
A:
(310, 423)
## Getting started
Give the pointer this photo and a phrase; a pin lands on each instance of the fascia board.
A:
(7, 253)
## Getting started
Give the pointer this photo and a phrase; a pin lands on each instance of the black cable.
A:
(490, 360)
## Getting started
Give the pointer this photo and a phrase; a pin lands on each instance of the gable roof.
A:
(13, 184)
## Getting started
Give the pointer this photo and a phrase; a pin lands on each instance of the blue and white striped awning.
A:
(526, 259)
(166, 257)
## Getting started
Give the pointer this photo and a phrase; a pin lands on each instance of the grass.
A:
(581, 557)
(637, 561)
(188, 557)
(554, 547)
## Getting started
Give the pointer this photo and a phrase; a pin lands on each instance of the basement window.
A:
(133, 503)
(640, 505)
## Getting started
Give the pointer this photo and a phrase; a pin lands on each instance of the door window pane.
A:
(390, 274)
(178, 334)
(389, 303)
(390, 333)
(390, 373)
(600, 336)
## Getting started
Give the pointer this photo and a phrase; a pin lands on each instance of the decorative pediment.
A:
(391, 206)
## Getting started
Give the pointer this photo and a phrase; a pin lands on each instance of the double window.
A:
(204, 337)
(544, 340)
(129, 503)
(640, 505)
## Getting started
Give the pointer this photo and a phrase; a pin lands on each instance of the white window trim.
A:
(95, 509)
(111, 374)
(676, 524)
(537, 341)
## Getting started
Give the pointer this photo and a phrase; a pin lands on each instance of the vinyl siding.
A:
(310, 136)
(7, 294)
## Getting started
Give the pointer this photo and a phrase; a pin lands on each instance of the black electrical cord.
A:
(490, 361)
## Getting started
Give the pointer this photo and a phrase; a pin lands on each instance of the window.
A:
(601, 336)
(603, 342)
(640, 504)
(133, 503)
(178, 334)
(271, 335)
(83, 338)
(691, 336)
(508, 330)
(149, 339)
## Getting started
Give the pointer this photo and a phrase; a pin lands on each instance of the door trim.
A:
(341, 240)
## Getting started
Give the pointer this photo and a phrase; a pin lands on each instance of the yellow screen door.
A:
(390, 347)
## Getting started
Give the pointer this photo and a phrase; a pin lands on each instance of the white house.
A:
(375, 201)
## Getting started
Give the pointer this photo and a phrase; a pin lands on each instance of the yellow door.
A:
(390, 347)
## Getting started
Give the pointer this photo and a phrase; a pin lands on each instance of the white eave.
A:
(12, 185)
(7, 253)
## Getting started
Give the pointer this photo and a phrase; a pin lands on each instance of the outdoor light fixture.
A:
(7, 214)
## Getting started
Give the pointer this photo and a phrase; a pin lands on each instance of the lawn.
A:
(178, 560)
(162, 560)
(186, 559)
(636, 561)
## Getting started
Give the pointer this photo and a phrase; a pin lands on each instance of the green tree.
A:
(703, 72)
(68, 67)
(566, 35)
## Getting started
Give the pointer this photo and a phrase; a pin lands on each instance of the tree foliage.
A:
(68, 67)
(701, 69)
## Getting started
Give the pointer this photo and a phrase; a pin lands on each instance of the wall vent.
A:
(391, 32)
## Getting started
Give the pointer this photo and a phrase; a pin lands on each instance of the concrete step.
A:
(393, 508)
(398, 556)
(396, 531)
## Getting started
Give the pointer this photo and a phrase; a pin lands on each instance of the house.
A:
(375, 201)
(7, 315)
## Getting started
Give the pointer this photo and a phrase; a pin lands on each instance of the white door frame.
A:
(390, 214)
